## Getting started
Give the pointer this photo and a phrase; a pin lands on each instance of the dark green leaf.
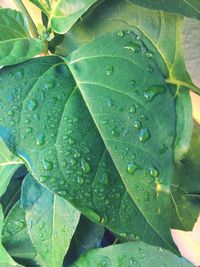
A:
(135, 115)
(51, 222)
(59, 141)
(186, 187)
(189, 8)
(63, 14)
(5, 259)
(134, 254)
(15, 235)
(16, 44)
(158, 27)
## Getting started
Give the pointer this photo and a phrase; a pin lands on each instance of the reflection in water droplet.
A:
(109, 70)
(131, 167)
(121, 33)
(144, 135)
(29, 130)
(133, 47)
(80, 180)
(153, 171)
(85, 166)
(153, 91)
(132, 109)
(32, 104)
(49, 84)
(48, 165)
(44, 178)
(148, 54)
(137, 125)
(110, 102)
(41, 139)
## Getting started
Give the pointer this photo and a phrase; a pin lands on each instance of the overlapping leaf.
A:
(51, 222)
(130, 254)
(189, 8)
(63, 14)
(158, 27)
(16, 44)
(56, 136)
(5, 259)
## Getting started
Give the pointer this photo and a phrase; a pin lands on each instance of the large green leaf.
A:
(51, 222)
(63, 14)
(53, 132)
(15, 237)
(135, 115)
(16, 44)
(8, 165)
(158, 27)
(189, 8)
(134, 254)
(186, 187)
(5, 259)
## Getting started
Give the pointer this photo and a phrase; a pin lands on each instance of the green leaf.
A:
(5, 259)
(60, 143)
(189, 8)
(130, 254)
(16, 44)
(51, 222)
(139, 111)
(186, 187)
(158, 27)
(8, 165)
(184, 123)
(63, 14)
(15, 237)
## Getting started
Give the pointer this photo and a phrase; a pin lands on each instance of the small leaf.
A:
(5, 259)
(51, 222)
(130, 254)
(15, 238)
(63, 14)
(16, 44)
(186, 187)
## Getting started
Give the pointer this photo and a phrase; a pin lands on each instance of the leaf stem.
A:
(182, 83)
(31, 23)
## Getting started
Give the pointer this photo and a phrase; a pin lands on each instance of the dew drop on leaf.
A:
(109, 70)
(144, 135)
(41, 139)
(44, 178)
(29, 130)
(131, 167)
(32, 104)
(80, 180)
(48, 165)
(85, 166)
(153, 91)
(153, 171)
(148, 54)
(121, 33)
(133, 47)
(137, 125)
(49, 84)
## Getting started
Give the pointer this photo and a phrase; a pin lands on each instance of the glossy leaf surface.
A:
(16, 44)
(5, 259)
(64, 150)
(51, 222)
(189, 8)
(130, 254)
(63, 13)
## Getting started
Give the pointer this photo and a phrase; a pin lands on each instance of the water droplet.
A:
(144, 135)
(148, 54)
(26, 121)
(109, 70)
(19, 74)
(115, 132)
(12, 123)
(153, 91)
(137, 125)
(80, 180)
(153, 171)
(133, 47)
(10, 113)
(32, 104)
(41, 139)
(44, 178)
(29, 130)
(131, 167)
(30, 223)
(104, 122)
(49, 84)
(121, 33)
(48, 165)
(110, 102)
(62, 193)
(149, 69)
(133, 83)
(85, 166)
(132, 109)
